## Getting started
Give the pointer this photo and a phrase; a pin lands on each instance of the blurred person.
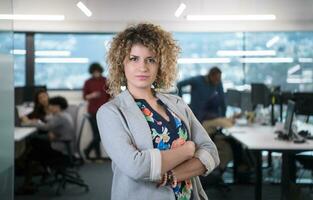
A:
(41, 108)
(95, 92)
(207, 94)
(208, 104)
(60, 128)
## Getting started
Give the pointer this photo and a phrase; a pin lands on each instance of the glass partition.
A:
(6, 105)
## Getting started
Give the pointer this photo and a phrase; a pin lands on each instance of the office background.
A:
(284, 45)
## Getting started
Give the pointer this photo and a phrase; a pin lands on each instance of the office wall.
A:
(114, 15)
(185, 26)
(6, 104)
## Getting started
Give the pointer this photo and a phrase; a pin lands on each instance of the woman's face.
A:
(140, 67)
(43, 99)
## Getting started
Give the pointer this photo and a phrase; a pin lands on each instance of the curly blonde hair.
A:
(156, 40)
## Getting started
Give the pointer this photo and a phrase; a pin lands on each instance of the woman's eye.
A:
(151, 60)
(133, 58)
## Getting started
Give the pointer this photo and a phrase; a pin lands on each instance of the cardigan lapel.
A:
(136, 122)
(173, 105)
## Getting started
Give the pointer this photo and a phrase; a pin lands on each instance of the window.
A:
(19, 53)
(279, 58)
(62, 60)
(208, 47)
(292, 65)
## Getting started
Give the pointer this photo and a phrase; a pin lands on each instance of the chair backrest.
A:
(73, 111)
(79, 123)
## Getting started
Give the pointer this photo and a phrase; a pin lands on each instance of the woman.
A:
(41, 108)
(94, 92)
(157, 146)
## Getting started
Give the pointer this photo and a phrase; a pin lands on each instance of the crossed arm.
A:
(182, 161)
(151, 164)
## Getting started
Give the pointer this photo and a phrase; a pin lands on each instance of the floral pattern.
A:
(167, 135)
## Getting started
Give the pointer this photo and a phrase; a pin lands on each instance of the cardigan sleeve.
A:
(115, 137)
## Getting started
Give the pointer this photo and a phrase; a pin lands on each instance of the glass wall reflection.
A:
(6, 104)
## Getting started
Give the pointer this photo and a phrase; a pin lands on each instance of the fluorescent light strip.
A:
(202, 60)
(246, 53)
(41, 53)
(293, 69)
(272, 41)
(298, 79)
(32, 17)
(230, 17)
(84, 9)
(180, 9)
(61, 60)
(52, 53)
(266, 60)
(18, 51)
(305, 60)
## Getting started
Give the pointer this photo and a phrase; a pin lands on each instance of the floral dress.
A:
(167, 135)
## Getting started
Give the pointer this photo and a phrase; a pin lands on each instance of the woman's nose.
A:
(143, 66)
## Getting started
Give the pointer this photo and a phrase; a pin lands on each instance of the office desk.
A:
(22, 132)
(258, 138)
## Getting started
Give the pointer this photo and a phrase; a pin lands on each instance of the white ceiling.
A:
(112, 15)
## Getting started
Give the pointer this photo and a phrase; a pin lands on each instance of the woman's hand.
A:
(190, 148)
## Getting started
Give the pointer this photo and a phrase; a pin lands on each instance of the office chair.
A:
(306, 162)
(64, 170)
(85, 119)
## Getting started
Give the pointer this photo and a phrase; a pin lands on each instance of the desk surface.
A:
(22, 132)
(257, 137)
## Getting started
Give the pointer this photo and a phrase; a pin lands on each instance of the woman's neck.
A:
(146, 94)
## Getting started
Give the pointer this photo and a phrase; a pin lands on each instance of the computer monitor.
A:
(26, 93)
(260, 94)
(245, 101)
(233, 98)
(289, 118)
(19, 95)
(17, 119)
(304, 103)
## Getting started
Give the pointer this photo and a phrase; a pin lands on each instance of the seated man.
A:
(44, 148)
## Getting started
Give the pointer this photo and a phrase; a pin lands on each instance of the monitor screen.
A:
(19, 95)
(233, 98)
(260, 94)
(27, 93)
(304, 105)
(289, 118)
(246, 103)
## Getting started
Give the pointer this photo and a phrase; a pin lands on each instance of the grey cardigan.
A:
(136, 165)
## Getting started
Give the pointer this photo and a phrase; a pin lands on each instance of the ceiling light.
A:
(306, 60)
(230, 17)
(61, 60)
(202, 60)
(32, 17)
(298, 79)
(84, 9)
(52, 53)
(180, 9)
(246, 53)
(41, 53)
(266, 60)
(272, 41)
(18, 51)
(293, 69)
